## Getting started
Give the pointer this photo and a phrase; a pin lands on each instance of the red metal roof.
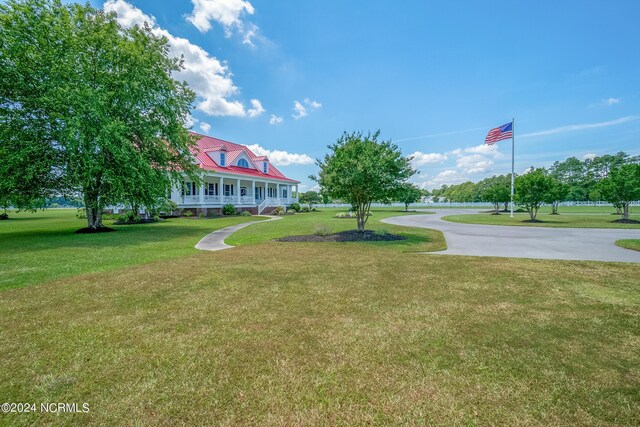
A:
(207, 144)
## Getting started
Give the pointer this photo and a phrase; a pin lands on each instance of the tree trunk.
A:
(406, 207)
(497, 206)
(94, 211)
(554, 208)
(533, 212)
(626, 211)
(506, 206)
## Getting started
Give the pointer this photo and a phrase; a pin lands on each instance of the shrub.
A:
(228, 209)
(321, 230)
(305, 209)
(156, 218)
(188, 214)
(200, 215)
(346, 215)
(295, 207)
(245, 213)
(278, 211)
(81, 213)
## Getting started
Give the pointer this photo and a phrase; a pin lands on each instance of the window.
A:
(284, 193)
(243, 191)
(265, 167)
(211, 189)
(243, 163)
(189, 189)
(223, 159)
(228, 189)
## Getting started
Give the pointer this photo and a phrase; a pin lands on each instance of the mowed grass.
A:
(417, 239)
(629, 244)
(273, 333)
(39, 247)
(584, 219)
(328, 334)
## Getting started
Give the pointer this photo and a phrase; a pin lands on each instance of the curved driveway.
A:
(593, 244)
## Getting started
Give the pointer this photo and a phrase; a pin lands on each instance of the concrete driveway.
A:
(592, 244)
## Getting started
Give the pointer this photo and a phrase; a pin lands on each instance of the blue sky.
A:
(434, 77)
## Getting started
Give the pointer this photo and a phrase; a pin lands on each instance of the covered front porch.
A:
(217, 191)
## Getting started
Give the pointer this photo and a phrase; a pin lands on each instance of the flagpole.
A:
(513, 137)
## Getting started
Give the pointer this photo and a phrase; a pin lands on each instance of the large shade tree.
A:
(88, 106)
(361, 170)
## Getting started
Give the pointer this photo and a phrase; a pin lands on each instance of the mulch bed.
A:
(532, 220)
(88, 230)
(344, 236)
(626, 221)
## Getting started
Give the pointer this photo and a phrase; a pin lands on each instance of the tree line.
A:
(614, 178)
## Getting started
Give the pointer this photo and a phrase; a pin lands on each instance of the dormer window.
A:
(265, 167)
(223, 159)
(243, 163)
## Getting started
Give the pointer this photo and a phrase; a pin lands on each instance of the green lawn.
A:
(629, 244)
(275, 333)
(37, 248)
(307, 223)
(584, 219)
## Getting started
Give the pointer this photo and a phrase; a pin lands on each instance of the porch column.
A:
(266, 190)
(253, 191)
(238, 190)
(201, 195)
(221, 191)
(289, 195)
(297, 193)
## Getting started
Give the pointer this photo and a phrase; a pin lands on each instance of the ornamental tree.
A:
(557, 193)
(408, 193)
(622, 186)
(361, 170)
(497, 190)
(311, 198)
(87, 106)
(532, 190)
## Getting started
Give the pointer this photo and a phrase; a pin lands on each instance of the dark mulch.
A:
(532, 220)
(344, 236)
(626, 221)
(88, 230)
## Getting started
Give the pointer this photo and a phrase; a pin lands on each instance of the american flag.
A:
(499, 133)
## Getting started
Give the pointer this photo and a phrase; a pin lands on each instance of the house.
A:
(234, 175)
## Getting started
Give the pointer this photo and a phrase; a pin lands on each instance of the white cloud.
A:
(611, 101)
(275, 120)
(206, 75)
(281, 158)
(191, 121)
(421, 159)
(474, 163)
(484, 149)
(205, 127)
(256, 108)
(572, 128)
(589, 156)
(299, 109)
(227, 13)
(448, 177)
(314, 105)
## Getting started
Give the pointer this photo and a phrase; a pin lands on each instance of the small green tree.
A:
(497, 190)
(408, 193)
(531, 190)
(621, 186)
(557, 193)
(311, 198)
(360, 170)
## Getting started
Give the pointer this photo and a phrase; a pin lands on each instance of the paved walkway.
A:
(215, 241)
(594, 244)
